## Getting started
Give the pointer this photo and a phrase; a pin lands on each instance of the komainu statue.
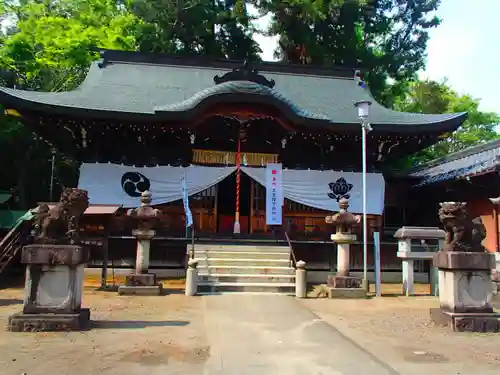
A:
(462, 233)
(60, 224)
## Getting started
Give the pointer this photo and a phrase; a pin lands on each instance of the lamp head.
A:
(363, 107)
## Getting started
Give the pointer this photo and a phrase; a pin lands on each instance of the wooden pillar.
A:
(497, 226)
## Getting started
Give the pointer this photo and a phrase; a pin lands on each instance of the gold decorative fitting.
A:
(228, 157)
(12, 112)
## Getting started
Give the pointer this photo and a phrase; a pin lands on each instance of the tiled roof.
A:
(472, 161)
(128, 86)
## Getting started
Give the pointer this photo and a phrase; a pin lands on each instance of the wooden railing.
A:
(11, 244)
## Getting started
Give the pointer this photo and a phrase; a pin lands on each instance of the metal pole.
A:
(52, 173)
(192, 241)
(365, 220)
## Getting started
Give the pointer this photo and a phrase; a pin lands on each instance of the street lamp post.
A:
(363, 107)
(52, 175)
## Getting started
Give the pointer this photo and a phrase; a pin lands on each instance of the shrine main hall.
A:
(146, 121)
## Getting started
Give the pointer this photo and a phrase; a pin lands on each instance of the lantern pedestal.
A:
(341, 285)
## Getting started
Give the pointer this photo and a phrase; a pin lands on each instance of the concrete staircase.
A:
(244, 268)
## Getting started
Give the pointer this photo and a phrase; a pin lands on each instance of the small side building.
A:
(472, 176)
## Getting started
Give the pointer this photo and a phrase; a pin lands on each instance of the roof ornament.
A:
(245, 73)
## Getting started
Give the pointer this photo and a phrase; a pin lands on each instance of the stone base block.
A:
(452, 260)
(467, 322)
(344, 281)
(142, 279)
(140, 290)
(346, 293)
(21, 322)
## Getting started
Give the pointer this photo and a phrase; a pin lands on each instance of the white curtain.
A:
(119, 184)
(314, 188)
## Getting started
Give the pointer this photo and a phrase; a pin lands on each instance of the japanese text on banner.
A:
(274, 194)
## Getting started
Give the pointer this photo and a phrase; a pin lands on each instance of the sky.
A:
(464, 49)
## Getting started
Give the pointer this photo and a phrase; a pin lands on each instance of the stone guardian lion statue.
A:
(61, 223)
(462, 233)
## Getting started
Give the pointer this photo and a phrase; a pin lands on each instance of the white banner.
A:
(122, 185)
(274, 194)
(185, 201)
(323, 189)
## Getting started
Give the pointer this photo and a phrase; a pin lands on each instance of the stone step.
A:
(243, 262)
(214, 287)
(203, 254)
(246, 278)
(246, 293)
(244, 248)
(242, 270)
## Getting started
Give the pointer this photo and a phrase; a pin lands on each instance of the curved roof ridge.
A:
(240, 87)
(162, 59)
(470, 151)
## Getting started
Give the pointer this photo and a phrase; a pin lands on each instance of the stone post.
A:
(144, 238)
(343, 254)
(404, 246)
(301, 280)
(192, 278)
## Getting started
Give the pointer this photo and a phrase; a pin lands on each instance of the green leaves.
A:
(53, 40)
(435, 97)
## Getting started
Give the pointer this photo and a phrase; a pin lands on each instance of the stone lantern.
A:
(343, 237)
(141, 281)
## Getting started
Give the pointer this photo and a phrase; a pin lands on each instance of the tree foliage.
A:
(437, 97)
(220, 28)
(387, 38)
(49, 44)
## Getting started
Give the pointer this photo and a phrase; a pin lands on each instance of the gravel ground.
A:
(167, 335)
(399, 332)
(132, 335)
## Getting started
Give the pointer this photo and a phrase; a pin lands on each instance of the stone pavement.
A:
(276, 335)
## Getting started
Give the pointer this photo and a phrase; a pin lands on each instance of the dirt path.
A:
(241, 335)
(132, 335)
(398, 331)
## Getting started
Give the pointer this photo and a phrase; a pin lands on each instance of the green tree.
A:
(386, 38)
(437, 97)
(49, 45)
(220, 29)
